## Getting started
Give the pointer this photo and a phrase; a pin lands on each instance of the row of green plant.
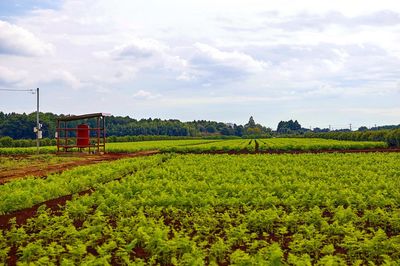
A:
(25, 193)
(325, 209)
(8, 142)
(203, 145)
(391, 137)
(117, 146)
(303, 144)
(235, 145)
(27, 150)
(11, 163)
(223, 145)
(164, 145)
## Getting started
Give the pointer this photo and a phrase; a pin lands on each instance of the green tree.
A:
(251, 123)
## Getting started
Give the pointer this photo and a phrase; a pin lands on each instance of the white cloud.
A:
(61, 76)
(233, 59)
(252, 52)
(138, 49)
(10, 76)
(319, 22)
(186, 76)
(16, 40)
(223, 100)
(144, 53)
(145, 95)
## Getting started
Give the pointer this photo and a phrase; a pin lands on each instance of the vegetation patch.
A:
(219, 209)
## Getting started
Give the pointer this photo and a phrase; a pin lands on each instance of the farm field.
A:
(235, 145)
(14, 163)
(28, 166)
(204, 209)
(19, 166)
(287, 144)
(163, 145)
(203, 145)
(115, 146)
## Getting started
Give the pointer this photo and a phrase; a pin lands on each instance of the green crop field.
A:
(191, 133)
(250, 209)
(164, 145)
(10, 163)
(285, 144)
(203, 145)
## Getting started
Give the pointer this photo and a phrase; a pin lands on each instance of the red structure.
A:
(83, 136)
(75, 133)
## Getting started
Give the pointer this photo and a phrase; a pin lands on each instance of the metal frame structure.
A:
(64, 137)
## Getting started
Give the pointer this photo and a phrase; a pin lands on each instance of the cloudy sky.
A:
(320, 62)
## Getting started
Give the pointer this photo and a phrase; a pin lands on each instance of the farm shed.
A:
(83, 133)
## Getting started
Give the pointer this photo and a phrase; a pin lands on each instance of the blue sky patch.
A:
(12, 8)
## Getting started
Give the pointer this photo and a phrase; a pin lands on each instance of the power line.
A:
(17, 90)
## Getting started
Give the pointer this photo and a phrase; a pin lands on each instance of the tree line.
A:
(20, 127)
(17, 130)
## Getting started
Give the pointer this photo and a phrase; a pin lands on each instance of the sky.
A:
(321, 62)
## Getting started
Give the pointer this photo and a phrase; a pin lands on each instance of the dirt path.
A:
(45, 170)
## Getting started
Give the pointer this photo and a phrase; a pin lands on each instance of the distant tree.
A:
(393, 138)
(239, 130)
(251, 123)
(211, 129)
(227, 131)
(288, 126)
(254, 131)
(251, 128)
(296, 125)
(320, 130)
(363, 128)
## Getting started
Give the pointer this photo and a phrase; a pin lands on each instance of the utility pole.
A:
(329, 127)
(39, 132)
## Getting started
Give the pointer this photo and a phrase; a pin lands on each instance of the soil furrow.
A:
(22, 216)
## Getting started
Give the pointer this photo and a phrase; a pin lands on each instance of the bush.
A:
(6, 142)
(393, 138)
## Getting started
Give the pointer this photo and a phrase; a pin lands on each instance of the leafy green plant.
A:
(219, 209)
